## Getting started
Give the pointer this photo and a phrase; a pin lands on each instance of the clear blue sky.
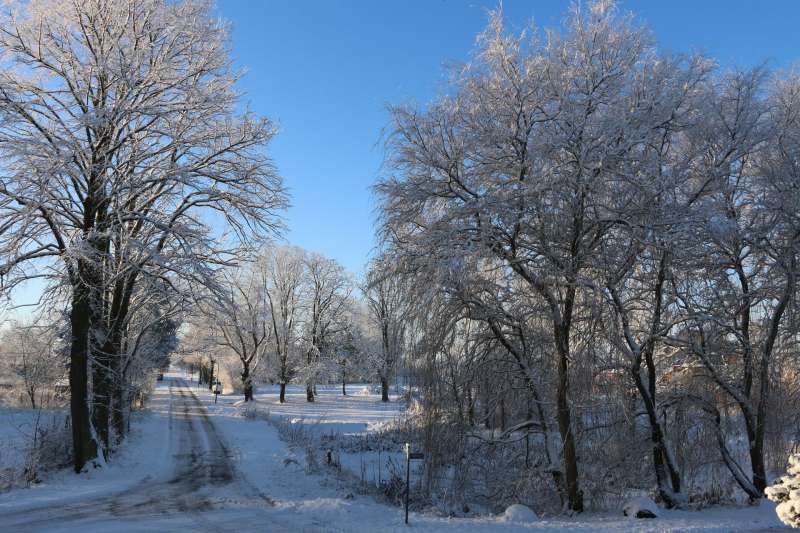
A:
(326, 69)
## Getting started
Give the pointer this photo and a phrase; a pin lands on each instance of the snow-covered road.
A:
(198, 491)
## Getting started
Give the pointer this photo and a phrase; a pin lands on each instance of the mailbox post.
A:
(409, 457)
(217, 390)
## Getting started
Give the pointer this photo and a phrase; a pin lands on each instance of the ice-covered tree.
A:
(328, 288)
(387, 306)
(521, 164)
(32, 352)
(119, 136)
(737, 268)
(283, 267)
(239, 309)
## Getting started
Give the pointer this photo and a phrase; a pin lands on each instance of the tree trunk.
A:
(282, 397)
(574, 495)
(115, 347)
(344, 383)
(309, 392)
(384, 389)
(247, 382)
(83, 447)
(101, 398)
(502, 413)
(119, 413)
(667, 476)
(470, 407)
(757, 457)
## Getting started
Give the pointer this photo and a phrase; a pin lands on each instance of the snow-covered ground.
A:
(144, 456)
(333, 415)
(192, 465)
(361, 411)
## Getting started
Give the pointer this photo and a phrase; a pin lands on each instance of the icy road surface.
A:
(198, 494)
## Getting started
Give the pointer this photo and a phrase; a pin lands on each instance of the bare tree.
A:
(386, 303)
(242, 313)
(328, 294)
(521, 165)
(740, 256)
(284, 271)
(31, 353)
(119, 132)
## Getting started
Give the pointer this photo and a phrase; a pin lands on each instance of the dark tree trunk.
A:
(309, 392)
(83, 447)
(384, 389)
(120, 307)
(247, 383)
(120, 409)
(574, 495)
(282, 397)
(667, 476)
(757, 458)
(487, 415)
(344, 384)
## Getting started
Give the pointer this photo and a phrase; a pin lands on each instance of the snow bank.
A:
(519, 514)
(641, 507)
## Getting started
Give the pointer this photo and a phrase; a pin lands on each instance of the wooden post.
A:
(408, 475)
(410, 456)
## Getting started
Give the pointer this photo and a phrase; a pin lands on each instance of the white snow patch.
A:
(520, 514)
(633, 507)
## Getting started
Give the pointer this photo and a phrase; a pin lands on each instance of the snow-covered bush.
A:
(786, 493)
(33, 443)
(641, 507)
(48, 448)
(519, 514)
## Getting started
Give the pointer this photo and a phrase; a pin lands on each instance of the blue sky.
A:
(325, 70)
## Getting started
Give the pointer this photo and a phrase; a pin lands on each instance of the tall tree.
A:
(284, 270)
(241, 311)
(740, 252)
(387, 307)
(118, 135)
(328, 294)
(521, 164)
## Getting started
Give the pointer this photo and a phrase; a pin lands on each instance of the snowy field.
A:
(192, 465)
(361, 410)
